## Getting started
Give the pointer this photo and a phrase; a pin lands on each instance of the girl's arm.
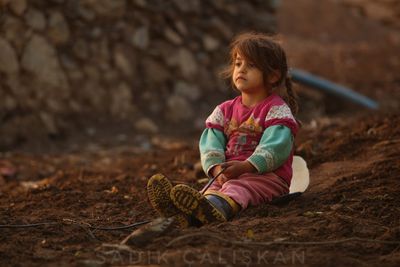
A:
(273, 150)
(212, 149)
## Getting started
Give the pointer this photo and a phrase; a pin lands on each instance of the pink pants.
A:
(252, 189)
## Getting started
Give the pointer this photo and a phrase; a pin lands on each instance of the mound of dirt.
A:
(353, 194)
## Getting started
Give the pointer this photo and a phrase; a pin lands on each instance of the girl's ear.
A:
(274, 77)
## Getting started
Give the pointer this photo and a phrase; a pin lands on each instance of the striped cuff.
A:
(211, 159)
(258, 162)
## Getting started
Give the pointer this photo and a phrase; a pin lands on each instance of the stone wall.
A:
(385, 11)
(148, 63)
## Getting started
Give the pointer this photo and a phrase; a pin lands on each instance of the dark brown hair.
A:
(267, 55)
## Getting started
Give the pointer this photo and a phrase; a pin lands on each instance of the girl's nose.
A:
(243, 68)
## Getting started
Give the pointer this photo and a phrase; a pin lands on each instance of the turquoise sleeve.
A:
(273, 150)
(212, 148)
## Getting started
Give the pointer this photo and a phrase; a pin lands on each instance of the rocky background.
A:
(150, 65)
(385, 11)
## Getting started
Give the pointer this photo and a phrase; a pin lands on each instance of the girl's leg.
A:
(221, 200)
(254, 189)
(220, 203)
(215, 186)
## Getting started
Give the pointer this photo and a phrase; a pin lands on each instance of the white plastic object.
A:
(301, 175)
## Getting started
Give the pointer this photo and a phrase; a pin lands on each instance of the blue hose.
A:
(308, 79)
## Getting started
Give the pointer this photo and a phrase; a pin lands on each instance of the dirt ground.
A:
(349, 216)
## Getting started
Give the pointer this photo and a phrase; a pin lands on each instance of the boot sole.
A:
(158, 192)
(193, 203)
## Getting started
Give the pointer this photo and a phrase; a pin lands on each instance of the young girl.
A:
(249, 138)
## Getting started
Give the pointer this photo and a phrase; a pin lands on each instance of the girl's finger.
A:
(222, 179)
(226, 164)
(228, 172)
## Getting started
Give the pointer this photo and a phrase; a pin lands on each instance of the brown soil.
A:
(352, 203)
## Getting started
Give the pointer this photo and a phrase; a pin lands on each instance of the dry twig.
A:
(268, 243)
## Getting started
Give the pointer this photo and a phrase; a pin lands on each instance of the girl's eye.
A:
(251, 65)
(237, 64)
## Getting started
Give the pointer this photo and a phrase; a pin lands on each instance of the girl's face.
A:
(246, 77)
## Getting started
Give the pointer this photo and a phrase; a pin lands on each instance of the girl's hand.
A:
(235, 168)
(221, 178)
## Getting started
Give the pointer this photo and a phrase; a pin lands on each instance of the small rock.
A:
(92, 72)
(80, 49)
(147, 233)
(168, 53)
(9, 103)
(96, 32)
(189, 91)
(90, 131)
(3, 3)
(266, 21)
(55, 105)
(222, 27)
(122, 138)
(14, 30)
(181, 27)
(103, 55)
(73, 105)
(49, 123)
(35, 19)
(7, 169)
(40, 58)
(84, 11)
(122, 62)
(146, 125)
(121, 101)
(107, 8)
(172, 36)
(336, 207)
(155, 71)
(95, 99)
(58, 28)
(8, 58)
(110, 76)
(187, 63)
(18, 7)
(210, 43)
(17, 89)
(274, 4)
(187, 5)
(141, 3)
(178, 109)
(140, 38)
(204, 59)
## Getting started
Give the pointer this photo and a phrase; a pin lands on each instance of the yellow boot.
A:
(206, 208)
(158, 191)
